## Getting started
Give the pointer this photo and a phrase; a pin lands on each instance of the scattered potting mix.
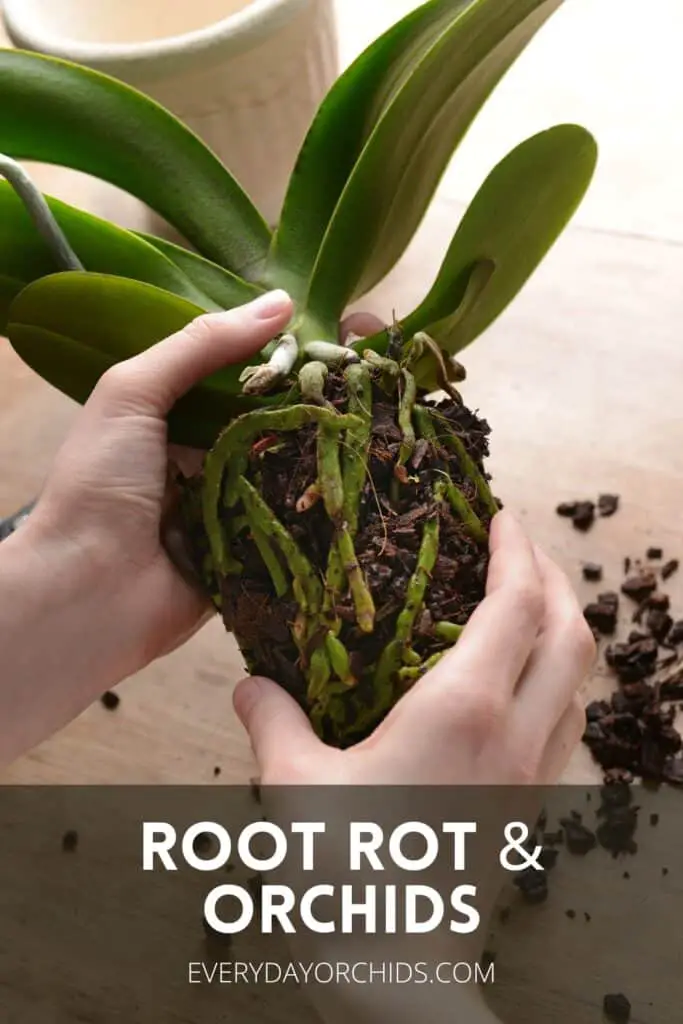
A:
(633, 734)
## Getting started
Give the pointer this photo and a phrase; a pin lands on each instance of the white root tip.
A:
(259, 380)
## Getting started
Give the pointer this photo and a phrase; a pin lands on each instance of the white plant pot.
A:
(246, 75)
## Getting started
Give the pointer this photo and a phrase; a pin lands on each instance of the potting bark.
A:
(403, 500)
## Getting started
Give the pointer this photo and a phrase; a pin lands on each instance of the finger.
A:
(564, 740)
(469, 691)
(360, 324)
(499, 638)
(561, 659)
(279, 731)
(153, 381)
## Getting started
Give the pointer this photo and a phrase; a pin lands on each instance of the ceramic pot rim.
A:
(236, 34)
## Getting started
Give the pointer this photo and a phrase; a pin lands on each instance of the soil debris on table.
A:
(608, 504)
(634, 732)
(617, 1008)
(670, 568)
(70, 841)
(619, 823)
(579, 839)
(640, 585)
(654, 554)
(675, 636)
(592, 572)
(601, 615)
(533, 885)
(582, 512)
(110, 700)
(567, 509)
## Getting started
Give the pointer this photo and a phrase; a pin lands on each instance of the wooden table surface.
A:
(580, 379)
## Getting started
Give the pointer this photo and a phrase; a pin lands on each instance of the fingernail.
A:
(247, 694)
(270, 305)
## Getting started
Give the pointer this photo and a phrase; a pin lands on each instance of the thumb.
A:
(279, 731)
(155, 379)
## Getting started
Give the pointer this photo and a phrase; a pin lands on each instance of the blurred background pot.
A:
(245, 75)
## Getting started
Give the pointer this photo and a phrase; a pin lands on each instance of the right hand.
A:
(501, 707)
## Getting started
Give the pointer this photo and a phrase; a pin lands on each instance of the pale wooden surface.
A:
(580, 379)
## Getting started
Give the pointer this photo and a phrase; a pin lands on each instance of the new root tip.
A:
(259, 380)
(458, 373)
(40, 213)
(333, 356)
(312, 378)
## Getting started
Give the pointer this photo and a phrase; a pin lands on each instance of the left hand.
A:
(103, 502)
(88, 592)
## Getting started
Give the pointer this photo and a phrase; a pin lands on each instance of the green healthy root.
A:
(333, 688)
(228, 460)
(270, 560)
(411, 675)
(353, 479)
(339, 660)
(312, 378)
(456, 498)
(389, 369)
(405, 417)
(332, 487)
(447, 437)
(393, 655)
(305, 583)
(449, 632)
(333, 356)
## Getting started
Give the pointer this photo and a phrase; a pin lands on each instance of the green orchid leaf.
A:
(61, 113)
(74, 369)
(71, 327)
(514, 219)
(411, 144)
(338, 134)
(66, 364)
(102, 248)
(9, 289)
(225, 289)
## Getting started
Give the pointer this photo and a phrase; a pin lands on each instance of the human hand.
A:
(95, 596)
(501, 707)
(109, 485)
(501, 710)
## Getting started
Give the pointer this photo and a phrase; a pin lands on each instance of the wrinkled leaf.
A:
(71, 327)
(61, 113)
(397, 173)
(226, 289)
(102, 247)
(514, 219)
